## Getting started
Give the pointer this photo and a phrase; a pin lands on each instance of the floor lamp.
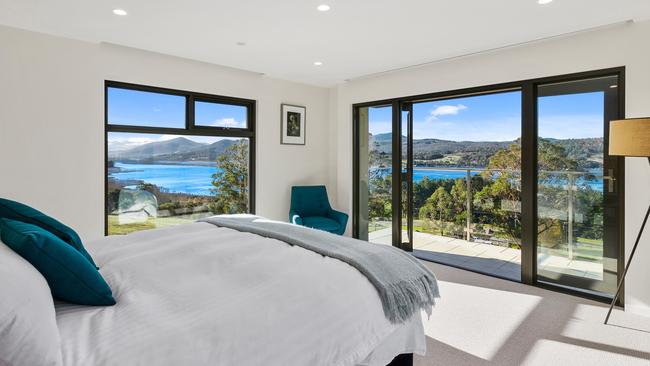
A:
(629, 137)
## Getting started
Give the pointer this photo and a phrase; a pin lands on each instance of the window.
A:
(173, 157)
(140, 108)
(211, 114)
(461, 181)
(511, 180)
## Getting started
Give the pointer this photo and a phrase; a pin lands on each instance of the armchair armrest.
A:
(294, 218)
(340, 217)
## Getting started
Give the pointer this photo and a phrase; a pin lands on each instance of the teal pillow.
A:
(70, 276)
(17, 211)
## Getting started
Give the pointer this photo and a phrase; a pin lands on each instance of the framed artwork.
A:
(293, 124)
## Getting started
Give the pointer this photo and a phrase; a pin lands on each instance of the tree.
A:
(459, 201)
(552, 191)
(438, 207)
(425, 188)
(500, 198)
(379, 185)
(231, 180)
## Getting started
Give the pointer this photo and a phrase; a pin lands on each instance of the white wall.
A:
(51, 118)
(625, 45)
(52, 123)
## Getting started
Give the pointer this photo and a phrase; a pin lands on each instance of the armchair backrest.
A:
(310, 201)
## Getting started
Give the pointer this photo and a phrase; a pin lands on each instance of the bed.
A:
(200, 294)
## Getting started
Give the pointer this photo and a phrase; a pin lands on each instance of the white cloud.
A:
(129, 141)
(139, 140)
(228, 122)
(447, 110)
(166, 137)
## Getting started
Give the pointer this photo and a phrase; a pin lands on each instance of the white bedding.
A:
(198, 294)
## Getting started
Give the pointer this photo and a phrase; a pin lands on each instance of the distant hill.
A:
(178, 149)
(383, 137)
(435, 152)
(207, 152)
(443, 152)
(587, 152)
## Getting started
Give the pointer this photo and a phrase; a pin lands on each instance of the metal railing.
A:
(568, 180)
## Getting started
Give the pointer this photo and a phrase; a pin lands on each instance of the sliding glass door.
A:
(577, 206)
(466, 178)
(375, 151)
(406, 202)
(511, 180)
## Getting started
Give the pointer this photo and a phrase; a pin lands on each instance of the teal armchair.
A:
(310, 207)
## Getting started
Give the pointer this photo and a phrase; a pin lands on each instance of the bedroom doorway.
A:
(510, 180)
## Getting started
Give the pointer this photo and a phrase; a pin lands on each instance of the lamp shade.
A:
(630, 137)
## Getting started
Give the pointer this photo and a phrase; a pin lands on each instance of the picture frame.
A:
(293, 122)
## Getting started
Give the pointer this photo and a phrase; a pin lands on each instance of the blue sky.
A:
(497, 117)
(132, 107)
(221, 115)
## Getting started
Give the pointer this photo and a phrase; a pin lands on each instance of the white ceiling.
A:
(284, 37)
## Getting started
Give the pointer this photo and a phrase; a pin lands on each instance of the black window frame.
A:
(528, 88)
(202, 98)
(190, 128)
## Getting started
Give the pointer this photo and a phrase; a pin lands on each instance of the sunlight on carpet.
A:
(482, 320)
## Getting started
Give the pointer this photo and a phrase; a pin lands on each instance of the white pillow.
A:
(28, 331)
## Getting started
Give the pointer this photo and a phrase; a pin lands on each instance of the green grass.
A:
(591, 241)
(114, 228)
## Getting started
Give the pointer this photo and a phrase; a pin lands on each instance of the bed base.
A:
(405, 359)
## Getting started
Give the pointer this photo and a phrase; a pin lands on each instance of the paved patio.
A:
(486, 258)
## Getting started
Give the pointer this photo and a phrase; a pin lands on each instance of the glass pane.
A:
(220, 115)
(162, 180)
(405, 182)
(571, 187)
(375, 174)
(467, 182)
(139, 108)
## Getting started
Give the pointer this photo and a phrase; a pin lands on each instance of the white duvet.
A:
(198, 294)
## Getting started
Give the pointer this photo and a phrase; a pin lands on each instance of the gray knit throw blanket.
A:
(404, 284)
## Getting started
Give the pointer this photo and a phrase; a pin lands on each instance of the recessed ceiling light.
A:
(544, 2)
(323, 7)
(121, 12)
(318, 63)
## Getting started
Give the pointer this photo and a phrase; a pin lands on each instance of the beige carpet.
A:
(481, 320)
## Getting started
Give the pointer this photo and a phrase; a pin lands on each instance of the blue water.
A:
(197, 179)
(419, 174)
(190, 179)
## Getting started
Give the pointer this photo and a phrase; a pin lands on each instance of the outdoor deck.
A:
(486, 258)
